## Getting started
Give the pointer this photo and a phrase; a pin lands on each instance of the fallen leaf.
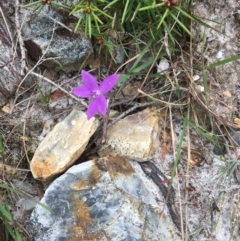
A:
(195, 77)
(195, 161)
(227, 93)
(129, 90)
(196, 157)
(6, 109)
(24, 138)
(57, 95)
(237, 121)
(199, 88)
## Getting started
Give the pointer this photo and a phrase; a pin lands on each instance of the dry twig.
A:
(20, 39)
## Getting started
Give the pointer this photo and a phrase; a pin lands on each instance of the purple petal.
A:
(92, 109)
(82, 91)
(102, 104)
(108, 83)
(98, 104)
(89, 80)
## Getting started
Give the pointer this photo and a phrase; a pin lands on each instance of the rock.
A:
(129, 90)
(26, 205)
(103, 199)
(8, 7)
(135, 137)
(43, 35)
(163, 66)
(116, 51)
(22, 208)
(63, 145)
(9, 64)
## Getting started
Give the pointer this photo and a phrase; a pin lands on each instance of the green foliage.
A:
(6, 216)
(227, 168)
(224, 61)
(45, 98)
(59, 68)
(177, 156)
(135, 16)
(39, 5)
(127, 20)
(1, 147)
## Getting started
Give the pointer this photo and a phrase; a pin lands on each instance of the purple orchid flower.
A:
(91, 89)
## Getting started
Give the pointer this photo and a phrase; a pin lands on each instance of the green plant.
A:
(224, 61)
(59, 68)
(128, 21)
(6, 216)
(39, 4)
(45, 98)
(1, 147)
(227, 168)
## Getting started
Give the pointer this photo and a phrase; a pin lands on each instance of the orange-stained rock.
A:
(103, 199)
(63, 145)
(135, 137)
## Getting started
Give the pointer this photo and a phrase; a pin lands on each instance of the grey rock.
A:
(8, 7)
(27, 205)
(116, 51)
(9, 64)
(43, 34)
(103, 199)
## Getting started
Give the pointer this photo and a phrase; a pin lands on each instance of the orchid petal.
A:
(98, 104)
(92, 109)
(82, 91)
(102, 104)
(108, 83)
(89, 80)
